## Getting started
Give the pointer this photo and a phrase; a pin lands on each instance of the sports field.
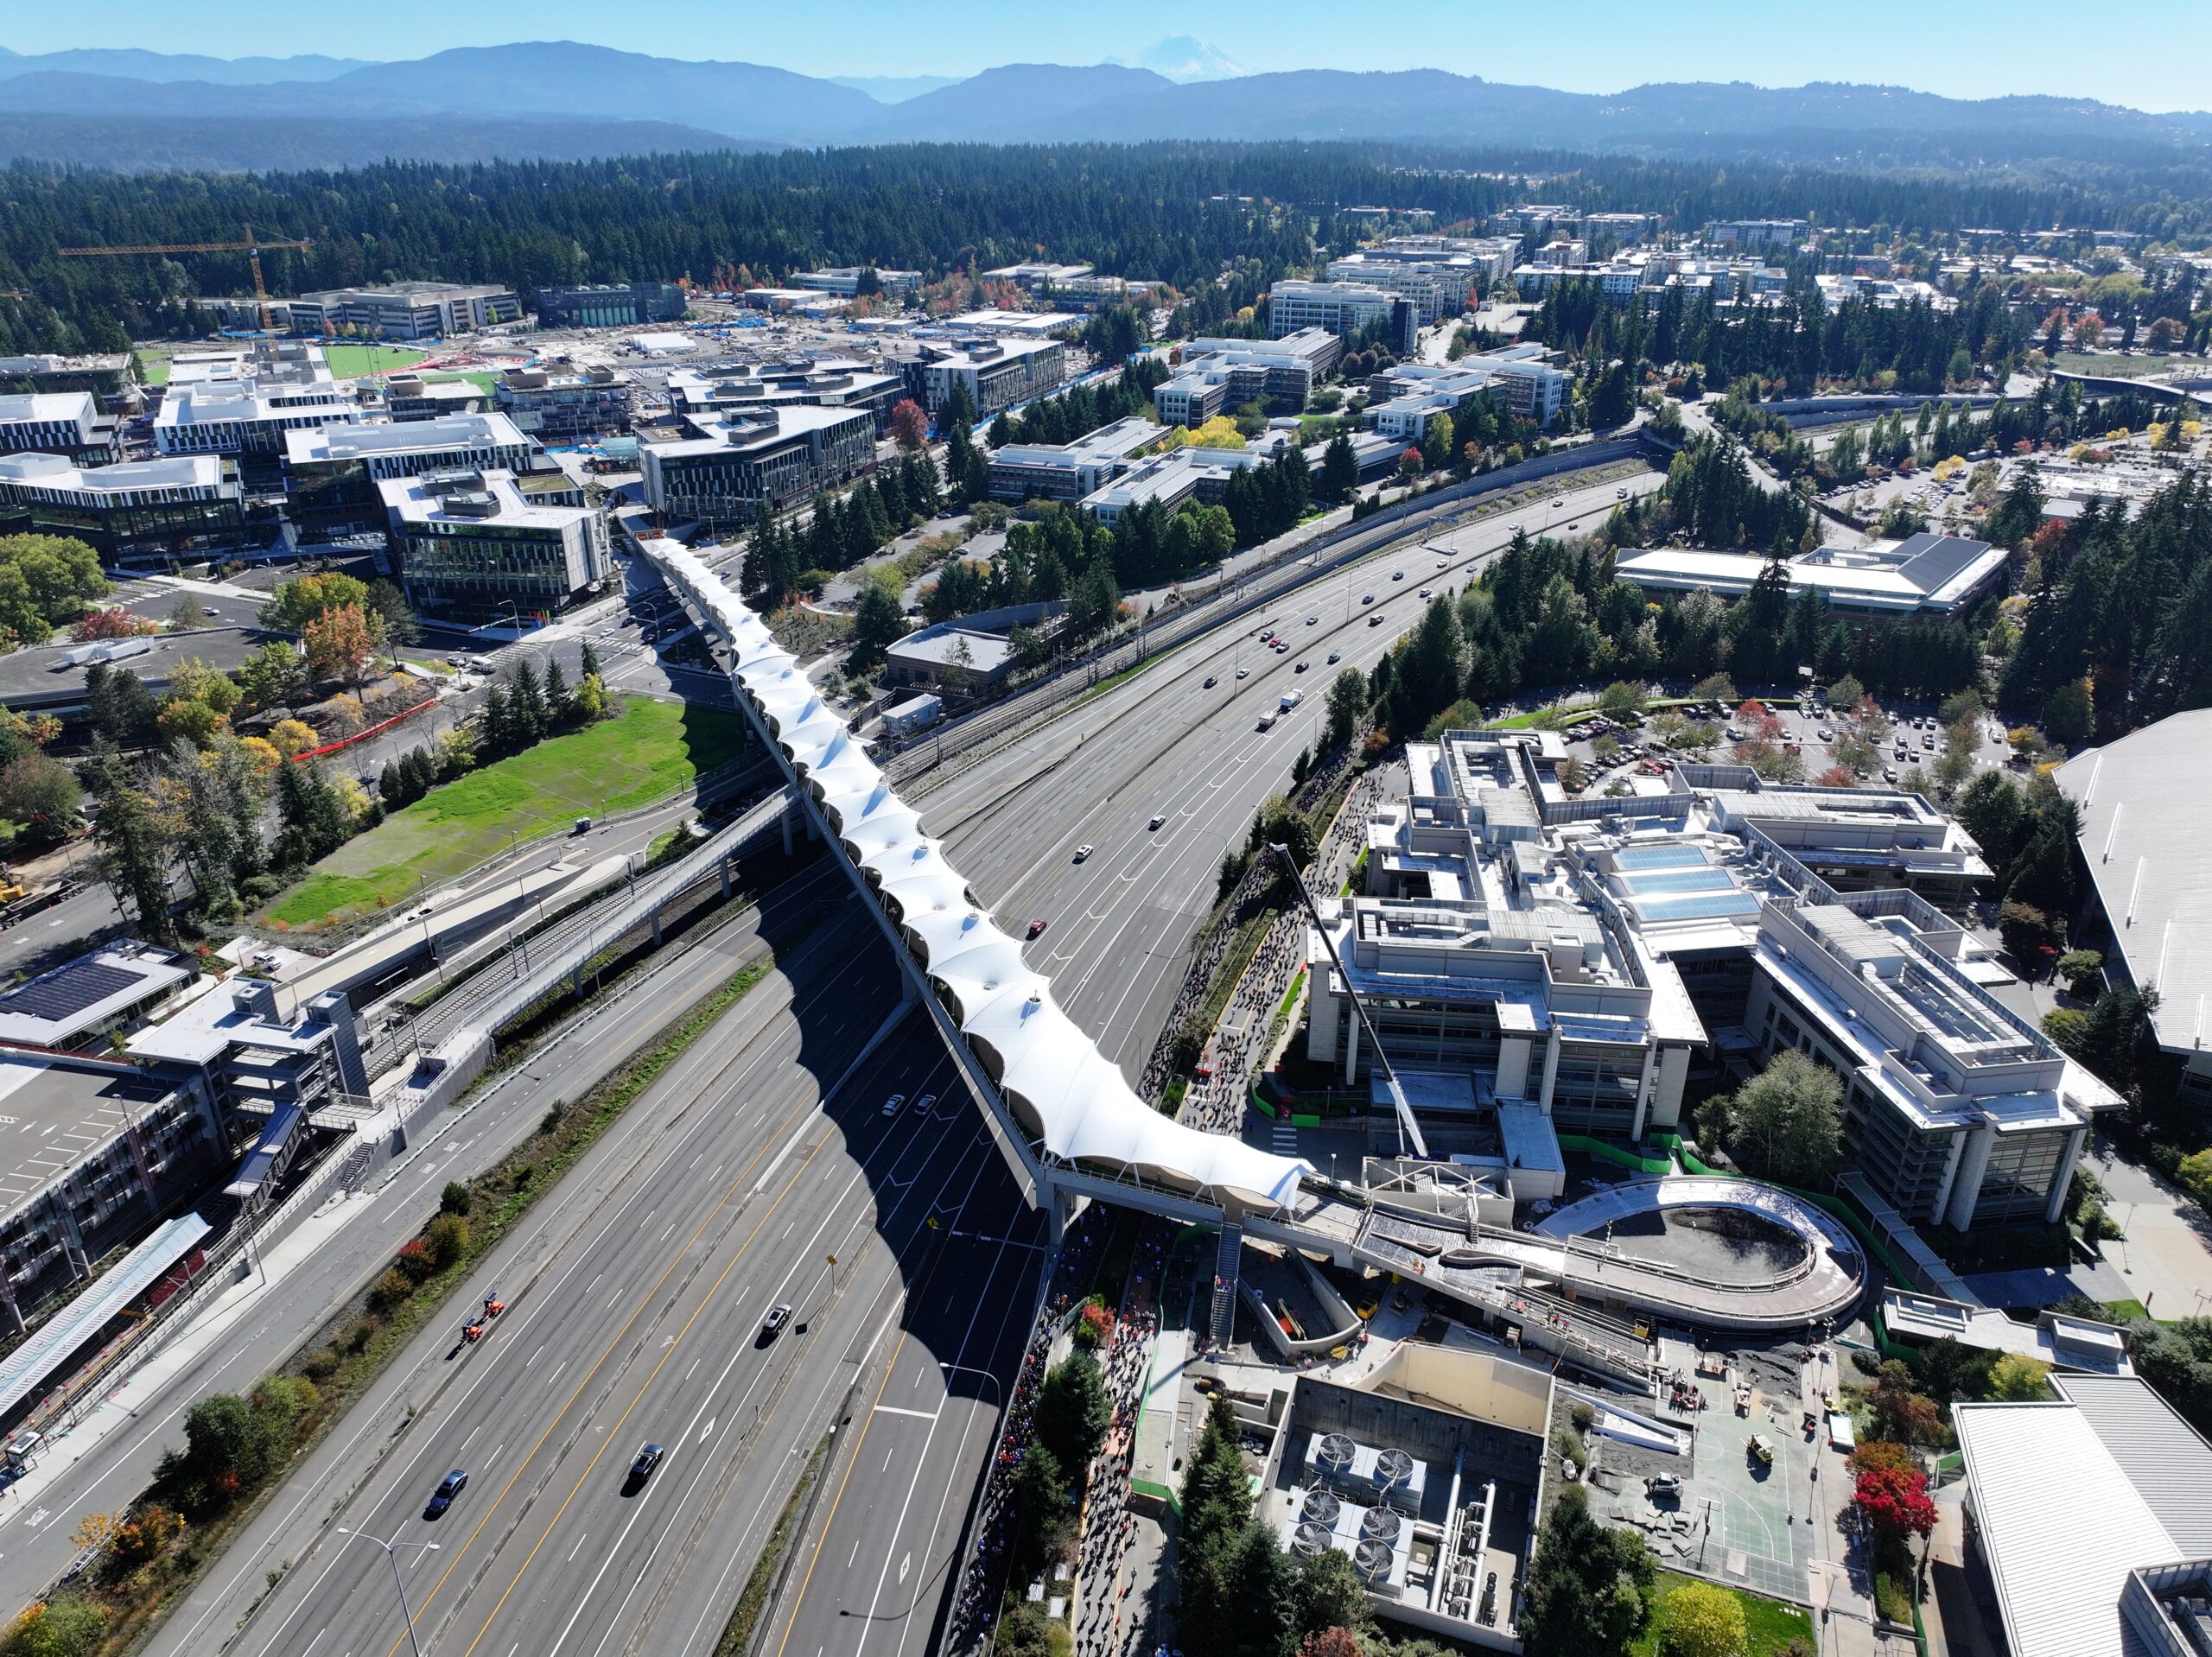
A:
(351, 362)
(650, 751)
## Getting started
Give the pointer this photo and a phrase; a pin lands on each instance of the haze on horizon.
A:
(1973, 48)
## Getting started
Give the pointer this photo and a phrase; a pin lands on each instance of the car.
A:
(1212, 681)
(1301, 667)
(1425, 592)
(1560, 501)
(1397, 575)
(894, 1104)
(925, 1104)
(1374, 621)
(1367, 598)
(1661, 1485)
(1158, 818)
(1335, 657)
(779, 1315)
(1282, 647)
(1827, 735)
(1442, 563)
(1246, 673)
(648, 1458)
(448, 1487)
(456, 661)
(1313, 621)
(1574, 525)
(1083, 851)
(1037, 927)
(1889, 773)
(1620, 494)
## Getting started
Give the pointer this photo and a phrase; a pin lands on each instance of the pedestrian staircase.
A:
(1228, 1260)
(356, 1169)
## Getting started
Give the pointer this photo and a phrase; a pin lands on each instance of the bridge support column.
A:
(907, 994)
(787, 831)
(655, 929)
(726, 880)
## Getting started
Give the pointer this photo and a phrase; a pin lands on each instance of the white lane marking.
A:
(894, 1409)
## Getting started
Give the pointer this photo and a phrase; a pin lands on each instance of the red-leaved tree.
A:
(1895, 1500)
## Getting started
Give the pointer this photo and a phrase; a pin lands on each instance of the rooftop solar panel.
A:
(1698, 906)
(67, 991)
(1659, 857)
(1675, 880)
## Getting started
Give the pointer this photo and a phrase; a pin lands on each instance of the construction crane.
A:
(252, 247)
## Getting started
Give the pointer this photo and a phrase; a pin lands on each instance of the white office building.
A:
(1440, 289)
(67, 423)
(473, 539)
(1221, 374)
(1339, 308)
(996, 374)
(407, 310)
(245, 401)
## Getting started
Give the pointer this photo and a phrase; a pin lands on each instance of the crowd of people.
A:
(1106, 1623)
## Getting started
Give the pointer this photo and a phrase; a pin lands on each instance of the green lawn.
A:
(652, 750)
(351, 362)
(1770, 1623)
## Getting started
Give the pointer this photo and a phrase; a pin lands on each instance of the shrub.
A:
(66, 1627)
(455, 1199)
(391, 1290)
(1703, 1621)
(418, 1263)
(447, 1237)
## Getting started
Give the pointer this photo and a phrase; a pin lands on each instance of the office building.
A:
(1038, 274)
(996, 374)
(1757, 232)
(333, 472)
(1401, 401)
(1438, 289)
(2142, 800)
(738, 467)
(558, 402)
(1925, 575)
(1068, 472)
(1217, 375)
(1203, 474)
(610, 305)
(829, 383)
(472, 539)
(993, 322)
(405, 399)
(112, 377)
(1535, 391)
(242, 402)
(113, 987)
(161, 508)
(1341, 307)
(2088, 1520)
(406, 310)
(66, 423)
(1536, 217)
(847, 280)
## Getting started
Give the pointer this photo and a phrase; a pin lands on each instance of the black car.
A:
(648, 1458)
(442, 1498)
(1212, 681)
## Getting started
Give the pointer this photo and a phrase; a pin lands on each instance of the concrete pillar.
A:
(2059, 1181)
(727, 883)
(1513, 1067)
(1551, 1068)
(655, 929)
(908, 992)
(1950, 1173)
(786, 822)
(1643, 1091)
(1974, 1163)
(1351, 1046)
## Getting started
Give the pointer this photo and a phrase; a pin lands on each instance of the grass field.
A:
(2119, 367)
(351, 362)
(652, 750)
(1770, 1624)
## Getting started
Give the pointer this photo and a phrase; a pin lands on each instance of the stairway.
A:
(1228, 1260)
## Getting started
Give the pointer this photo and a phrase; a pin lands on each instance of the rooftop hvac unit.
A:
(1309, 1541)
(1392, 1469)
(1380, 1524)
(1335, 1453)
(1319, 1507)
(1372, 1561)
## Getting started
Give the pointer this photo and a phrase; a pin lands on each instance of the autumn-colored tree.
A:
(910, 424)
(291, 736)
(1700, 1620)
(1837, 777)
(113, 622)
(2015, 1379)
(297, 603)
(339, 644)
(1331, 1642)
(1880, 1452)
(1896, 1501)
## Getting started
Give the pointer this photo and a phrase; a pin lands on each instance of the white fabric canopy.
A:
(1075, 1098)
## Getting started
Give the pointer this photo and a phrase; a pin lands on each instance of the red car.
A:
(1036, 927)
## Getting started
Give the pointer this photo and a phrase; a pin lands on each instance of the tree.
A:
(1339, 470)
(2082, 970)
(2070, 713)
(1073, 1412)
(1327, 1594)
(46, 581)
(390, 619)
(910, 424)
(1902, 1411)
(560, 701)
(1620, 699)
(120, 706)
(590, 699)
(41, 795)
(525, 703)
(2016, 1379)
(1714, 687)
(1347, 707)
(2027, 933)
(68, 1625)
(1700, 1620)
(291, 736)
(299, 602)
(878, 624)
(340, 643)
(274, 676)
(1895, 1502)
(1612, 400)
(134, 834)
(1787, 1122)
(1589, 1588)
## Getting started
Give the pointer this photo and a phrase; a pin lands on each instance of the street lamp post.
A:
(392, 1557)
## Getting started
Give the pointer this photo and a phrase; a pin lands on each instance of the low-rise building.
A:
(471, 540)
(407, 397)
(406, 310)
(830, 383)
(996, 374)
(242, 402)
(159, 509)
(111, 987)
(334, 471)
(1038, 274)
(737, 467)
(850, 281)
(1216, 375)
(610, 305)
(1924, 574)
(1757, 232)
(66, 423)
(110, 376)
(559, 402)
(52, 678)
(1068, 472)
(1401, 401)
(1014, 325)
(1438, 288)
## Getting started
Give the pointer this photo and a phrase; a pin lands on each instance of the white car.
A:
(1425, 592)
(1313, 621)
(1082, 851)
(1243, 673)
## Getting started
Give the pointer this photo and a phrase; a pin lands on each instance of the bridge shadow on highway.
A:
(954, 1317)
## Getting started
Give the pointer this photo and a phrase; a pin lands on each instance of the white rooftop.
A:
(357, 442)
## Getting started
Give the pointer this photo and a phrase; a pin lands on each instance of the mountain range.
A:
(133, 109)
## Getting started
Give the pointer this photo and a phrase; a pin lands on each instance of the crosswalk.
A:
(1285, 1137)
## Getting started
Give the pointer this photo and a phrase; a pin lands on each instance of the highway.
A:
(635, 1314)
(1118, 924)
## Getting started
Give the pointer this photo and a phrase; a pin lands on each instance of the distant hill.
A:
(111, 94)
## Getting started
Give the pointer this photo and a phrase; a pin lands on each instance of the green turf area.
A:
(1770, 1624)
(483, 381)
(652, 750)
(2123, 368)
(351, 362)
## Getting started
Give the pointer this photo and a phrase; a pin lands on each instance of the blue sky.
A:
(2152, 55)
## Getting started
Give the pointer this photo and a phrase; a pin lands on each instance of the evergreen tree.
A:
(1073, 1412)
(525, 703)
(558, 704)
(499, 720)
(589, 666)
(129, 825)
(1339, 469)
(1589, 1588)
(390, 786)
